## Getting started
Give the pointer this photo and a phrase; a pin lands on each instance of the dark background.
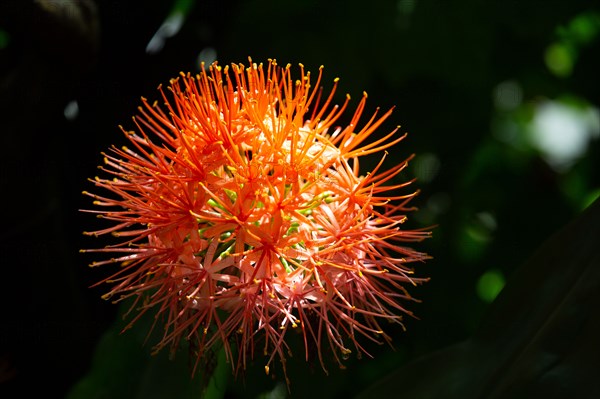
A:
(468, 80)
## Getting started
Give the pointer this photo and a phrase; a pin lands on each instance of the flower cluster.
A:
(242, 215)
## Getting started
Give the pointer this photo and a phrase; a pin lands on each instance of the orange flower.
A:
(242, 214)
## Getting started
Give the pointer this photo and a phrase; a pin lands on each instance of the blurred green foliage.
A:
(475, 83)
(561, 56)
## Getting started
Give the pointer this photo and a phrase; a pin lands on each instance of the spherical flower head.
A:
(241, 215)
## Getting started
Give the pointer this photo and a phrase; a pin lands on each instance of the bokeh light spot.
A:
(207, 55)
(508, 95)
(426, 167)
(561, 132)
(169, 28)
(559, 59)
(71, 110)
(482, 227)
(490, 284)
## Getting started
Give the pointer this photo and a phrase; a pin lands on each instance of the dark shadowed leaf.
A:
(540, 338)
(124, 368)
